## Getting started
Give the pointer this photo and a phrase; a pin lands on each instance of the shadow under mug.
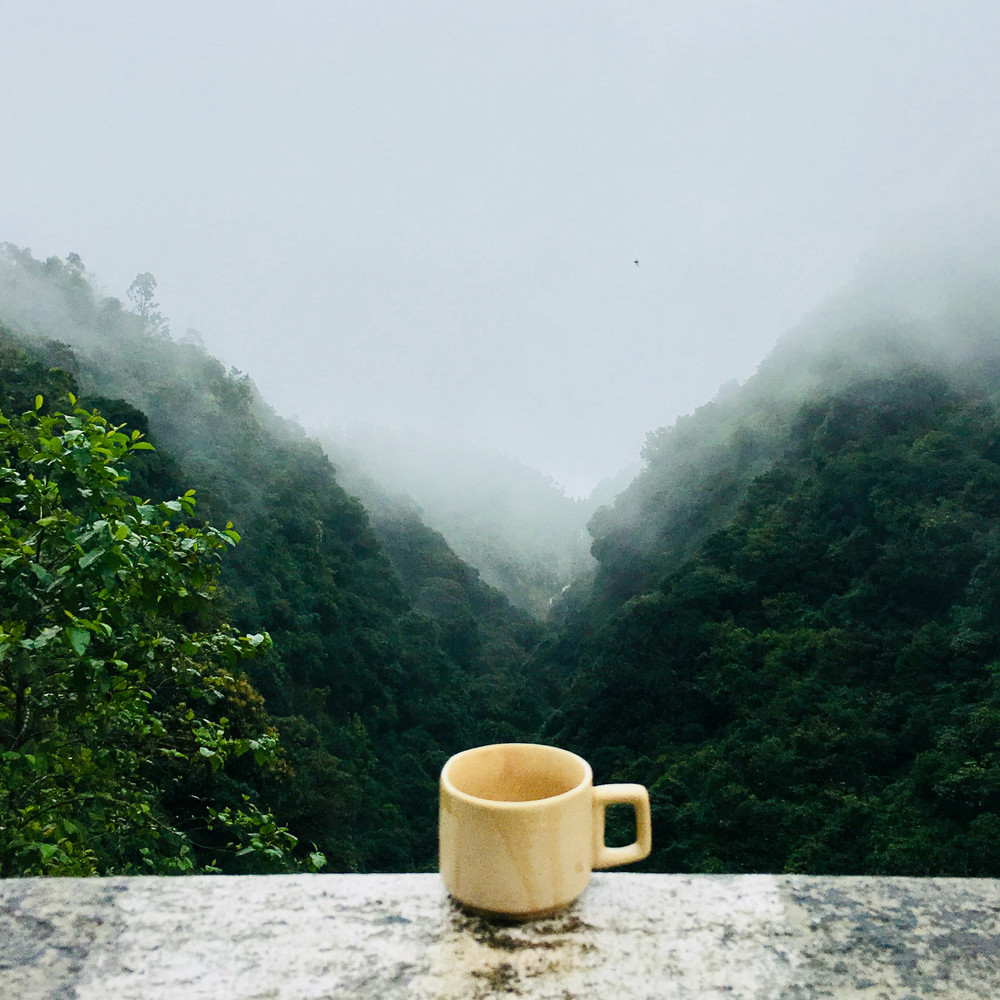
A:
(521, 827)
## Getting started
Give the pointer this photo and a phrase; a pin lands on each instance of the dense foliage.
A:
(791, 636)
(119, 702)
(815, 685)
(369, 684)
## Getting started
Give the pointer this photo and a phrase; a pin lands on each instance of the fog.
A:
(546, 227)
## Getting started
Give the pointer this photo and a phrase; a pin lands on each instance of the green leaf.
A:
(44, 576)
(79, 639)
(90, 557)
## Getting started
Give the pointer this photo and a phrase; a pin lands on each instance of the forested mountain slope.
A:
(372, 680)
(517, 527)
(793, 639)
(697, 470)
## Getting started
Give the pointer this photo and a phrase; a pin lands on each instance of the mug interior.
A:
(516, 772)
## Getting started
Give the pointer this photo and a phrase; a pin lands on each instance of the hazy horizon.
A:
(429, 215)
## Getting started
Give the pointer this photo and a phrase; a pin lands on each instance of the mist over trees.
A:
(788, 633)
(367, 692)
(791, 635)
(513, 524)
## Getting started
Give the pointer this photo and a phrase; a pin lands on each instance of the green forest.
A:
(215, 659)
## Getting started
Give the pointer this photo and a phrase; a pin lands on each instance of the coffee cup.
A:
(521, 827)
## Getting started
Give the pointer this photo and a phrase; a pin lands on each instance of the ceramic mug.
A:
(522, 826)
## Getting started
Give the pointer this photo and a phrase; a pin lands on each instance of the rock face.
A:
(317, 937)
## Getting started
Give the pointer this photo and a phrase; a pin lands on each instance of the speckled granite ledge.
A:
(313, 937)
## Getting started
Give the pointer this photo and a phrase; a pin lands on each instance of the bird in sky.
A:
(636, 263)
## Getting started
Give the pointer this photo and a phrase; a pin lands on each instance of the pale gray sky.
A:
(427, 213)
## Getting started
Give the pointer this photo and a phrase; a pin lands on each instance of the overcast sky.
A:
(428, 214)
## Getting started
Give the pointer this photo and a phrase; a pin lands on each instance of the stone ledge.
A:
(317, 937)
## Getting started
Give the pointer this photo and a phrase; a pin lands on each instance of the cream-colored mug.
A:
(522, 827)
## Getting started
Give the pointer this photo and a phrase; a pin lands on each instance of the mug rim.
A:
(586, 781)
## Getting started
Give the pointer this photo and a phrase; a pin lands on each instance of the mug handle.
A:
(638, 798)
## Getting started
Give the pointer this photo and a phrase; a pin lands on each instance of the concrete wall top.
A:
(316, 937)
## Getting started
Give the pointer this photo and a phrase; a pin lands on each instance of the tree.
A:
(117, 685)
(141, 293)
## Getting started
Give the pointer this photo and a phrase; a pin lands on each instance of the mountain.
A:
(792, 635)
(384, 660)
(526, 537)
